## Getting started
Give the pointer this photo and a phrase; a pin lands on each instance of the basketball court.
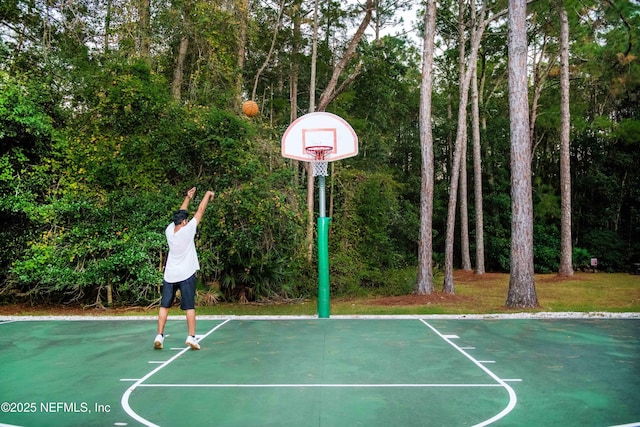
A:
(307, 371)
(313, 371)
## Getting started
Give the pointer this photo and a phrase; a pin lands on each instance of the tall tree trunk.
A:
(477, 173)
(540, 72)
(476, 37)
(424, 283)
(522, 291)
(295, 64)
(243, 19)
(107, 26)
(178, 72)
(477, 162)
(566, 264)
(448, 285)
(464, 212)
(332, 90)
(295, 74)
(144, 29)
(273, 44)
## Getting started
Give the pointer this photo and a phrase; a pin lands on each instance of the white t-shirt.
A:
(182, 261)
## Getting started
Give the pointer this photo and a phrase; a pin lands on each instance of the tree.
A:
(477, 174)
(463, 193)
(460, 144)
(424, 283)
(183, 47)
(330, 92)
(385, 14)
(522, 291)
(332, 89)
(566, 266)
(144, 29)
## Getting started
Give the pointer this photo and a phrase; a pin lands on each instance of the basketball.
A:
(250, 108)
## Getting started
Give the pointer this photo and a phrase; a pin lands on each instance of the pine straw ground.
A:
(474, 294)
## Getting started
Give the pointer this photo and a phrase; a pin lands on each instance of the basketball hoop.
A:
(319, 164)
(320, 138)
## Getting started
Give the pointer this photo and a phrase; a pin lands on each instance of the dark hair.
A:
(180, 216)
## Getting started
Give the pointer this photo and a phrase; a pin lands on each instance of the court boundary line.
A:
(513, 398)
(124, 401)
(488, 316)
(337, 385)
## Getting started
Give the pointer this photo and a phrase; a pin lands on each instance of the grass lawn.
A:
(474, 294)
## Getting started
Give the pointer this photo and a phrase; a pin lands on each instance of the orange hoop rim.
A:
(319, 151)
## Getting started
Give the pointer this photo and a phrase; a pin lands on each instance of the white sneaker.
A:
(157, 343)
(193, 343)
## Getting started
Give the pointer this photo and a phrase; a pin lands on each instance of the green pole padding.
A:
(323, 267)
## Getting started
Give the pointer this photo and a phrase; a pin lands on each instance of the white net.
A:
(319, 164)
(320, 167)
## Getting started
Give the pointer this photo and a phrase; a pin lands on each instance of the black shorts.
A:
(187, 293)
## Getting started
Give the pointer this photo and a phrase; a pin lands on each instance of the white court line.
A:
(125, 397)
(494, 316)
(318, 385)
(513, 399)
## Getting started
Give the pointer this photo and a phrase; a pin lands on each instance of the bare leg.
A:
(191, 321)
(163, 313)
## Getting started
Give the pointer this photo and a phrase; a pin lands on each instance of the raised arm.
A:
(187, 198)
(203, 205)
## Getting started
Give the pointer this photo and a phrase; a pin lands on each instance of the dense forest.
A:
(110, 110)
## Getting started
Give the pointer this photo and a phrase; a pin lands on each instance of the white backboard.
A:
(319, 129)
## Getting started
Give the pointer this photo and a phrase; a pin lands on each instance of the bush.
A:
(546, 248)
(611, 250)
(580, 259)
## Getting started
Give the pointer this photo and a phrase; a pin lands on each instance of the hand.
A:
(191, 193)
(210, 194)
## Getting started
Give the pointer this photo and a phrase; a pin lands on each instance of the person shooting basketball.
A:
(181, 267)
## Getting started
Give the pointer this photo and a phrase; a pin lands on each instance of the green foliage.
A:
(91, 244)
(610, 250)
(497, 232)
(95, 152)
(546, 248)
(250, 241)
(580, 258)
(26, 132)
(368, 231)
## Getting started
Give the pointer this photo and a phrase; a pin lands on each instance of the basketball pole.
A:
(310, 138)
(323, 252)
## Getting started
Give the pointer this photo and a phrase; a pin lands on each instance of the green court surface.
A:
(290, 371)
